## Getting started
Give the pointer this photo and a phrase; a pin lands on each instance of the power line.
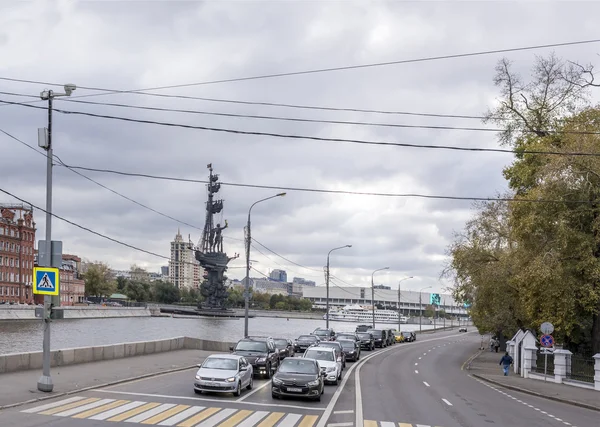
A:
(317, 190)
(324, 70)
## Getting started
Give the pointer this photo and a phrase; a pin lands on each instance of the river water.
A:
(25, 336)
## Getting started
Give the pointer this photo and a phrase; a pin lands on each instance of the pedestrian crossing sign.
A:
(45, 281)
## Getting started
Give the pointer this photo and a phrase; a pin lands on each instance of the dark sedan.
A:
(366, 340)
(285, 347)
(351, 349)
(298, 377)
(380, 337)
(305, 341)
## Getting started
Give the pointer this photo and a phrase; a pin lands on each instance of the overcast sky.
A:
(130, 45)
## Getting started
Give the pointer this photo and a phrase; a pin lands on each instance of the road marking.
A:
(416, 364)
(181, 416)
(217, 418)
(241, 399)
(87, 407)
(133, 412)
(420, 357)
(341, 424)
(166, 414)
(416, 372)
(238, 417)
(199, 417)
(272, 419)
(52, 405)
(117, 411)
(387, 424)
(369, 423)
(290, 420)
(446, 402)
(426, 385)
(102, 408)
(424, 354)
(152, 412)
(308, 421)
(69, 406)
(253, 419)
(350, 411)
(200, 399)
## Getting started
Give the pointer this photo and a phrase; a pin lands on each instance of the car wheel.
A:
(318, 398)
(250, 384)
(238, 390)
(268, 371)
(197, 391)
(336, 381)
(274, 396)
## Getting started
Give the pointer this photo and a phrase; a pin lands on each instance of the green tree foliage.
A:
(165, 292)
(139, 291)
(121, 283)
(98, 279)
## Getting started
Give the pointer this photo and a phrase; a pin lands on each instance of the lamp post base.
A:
(45, 384)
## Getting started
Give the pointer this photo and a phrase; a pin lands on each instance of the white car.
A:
(462, 329)
(224, 373)
(327, 360)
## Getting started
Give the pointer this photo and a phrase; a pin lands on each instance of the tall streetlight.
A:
(248, 242)
(401, 280)
(373, 292)
(327, 284)
(421, 307)
(45, 141)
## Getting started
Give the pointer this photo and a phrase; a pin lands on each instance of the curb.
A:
(67, 393)
(470, 359)
(534, 393)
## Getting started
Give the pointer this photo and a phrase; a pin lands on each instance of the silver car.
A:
(224, 373)
(328, 361)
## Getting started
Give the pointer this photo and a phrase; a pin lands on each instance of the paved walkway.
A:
(486, 366)
(17, 387)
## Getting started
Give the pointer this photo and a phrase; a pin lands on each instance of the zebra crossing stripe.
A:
(52, 405)
(117, 411)
(181, 416)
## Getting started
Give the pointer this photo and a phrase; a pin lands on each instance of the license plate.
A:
(213, 384)
(298, 390)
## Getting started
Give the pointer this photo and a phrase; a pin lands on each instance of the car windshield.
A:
(307, 338)
(377, 333)
(281, 343)
(319, 355)
(347, 344)
(321, 333)
(298, 366)
(406, 334)
(220, 363)
(330, 344)
(364, 336)
(346, 336)
(251, 346)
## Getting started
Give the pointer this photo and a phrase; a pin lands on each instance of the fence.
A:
(582, 369)
(541, 366)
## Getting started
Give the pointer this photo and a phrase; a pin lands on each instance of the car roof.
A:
(225, 356)
(256, 339)
(318, 347)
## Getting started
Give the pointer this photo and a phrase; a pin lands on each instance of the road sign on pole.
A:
(547, 340)
(46, 281)
(547, 328)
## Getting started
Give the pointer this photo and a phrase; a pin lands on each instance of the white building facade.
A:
(184, 269)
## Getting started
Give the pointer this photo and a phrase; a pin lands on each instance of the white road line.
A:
(425, 382)
(446, 402)
(84, 408)
(253, 419)
(424, 354)
(199, 399)
(420, 357)
(387, 424)
(349, 411)
(241, 399)
(150, 413)
(181, 416)
(53, 405)
(416, 372)
(217, 418)
(116, 411)
(416, 364)
(340, 424)
(290, 420)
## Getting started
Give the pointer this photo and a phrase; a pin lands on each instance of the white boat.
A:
(358, 314)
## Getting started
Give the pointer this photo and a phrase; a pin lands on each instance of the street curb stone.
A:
(534, 393)
(67, 393)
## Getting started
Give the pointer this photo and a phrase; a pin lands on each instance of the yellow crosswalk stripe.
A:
(134, 412)
(308, 421)
(405, 425)
(69, 406)
(190, 422)
(238, 417)
(99, 409)
(166, 414)
(370, 423)
(271, 419)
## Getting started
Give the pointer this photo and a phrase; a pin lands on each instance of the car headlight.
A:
(330, 369)
(198, 377)
(313, 383)
(277, 381)
(261, 359)
(230, 380)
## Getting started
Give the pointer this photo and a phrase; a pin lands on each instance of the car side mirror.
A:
(243, 368)
(199, 365)
(323, 373)
(231, 348)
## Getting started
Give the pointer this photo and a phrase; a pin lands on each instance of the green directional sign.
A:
(435, 299)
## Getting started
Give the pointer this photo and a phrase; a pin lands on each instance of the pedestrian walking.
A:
(496, 344)
(506, 361)
(492, 343)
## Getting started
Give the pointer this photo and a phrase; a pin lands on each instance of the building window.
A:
(12, 262)
(16, 262)
(17, 291)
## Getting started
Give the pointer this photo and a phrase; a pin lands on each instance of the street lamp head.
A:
(281, 194)
(69, 88)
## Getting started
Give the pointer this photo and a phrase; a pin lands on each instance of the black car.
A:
(366, 340)
(363, 328)
(339, 350)
(305, 341)
(324, 334)
(380, 337)
(347, 336)
(261, 353)
(351, 349)
(409, 336)
(285, 347)
(391, 337)
(298, 377)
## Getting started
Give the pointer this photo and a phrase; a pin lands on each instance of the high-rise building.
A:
(184, 269)
(164, 271)
(17, 241)
(278, 275)
(303, 282)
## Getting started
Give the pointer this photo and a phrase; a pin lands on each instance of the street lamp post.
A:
(327, 284)
(373, 292)
(248, 242)
(406, 278)
(45, 141)
(421, 308)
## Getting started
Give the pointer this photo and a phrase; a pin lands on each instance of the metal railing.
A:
(543, 364)
(582, 369)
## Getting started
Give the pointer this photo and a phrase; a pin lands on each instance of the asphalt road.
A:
(413, 384)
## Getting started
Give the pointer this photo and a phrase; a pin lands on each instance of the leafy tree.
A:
(98, 279)
(121, 283)
(165, 292)
(281, 305)
(428, 313)
(138, 291)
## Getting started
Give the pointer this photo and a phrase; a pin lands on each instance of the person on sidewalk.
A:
(492, 344)
(496, 344)
(506, 361)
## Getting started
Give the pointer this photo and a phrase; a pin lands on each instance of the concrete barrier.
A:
(71, 356)
(27, 312)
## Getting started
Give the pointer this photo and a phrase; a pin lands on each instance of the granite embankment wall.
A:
(27, 312)
(70, 356)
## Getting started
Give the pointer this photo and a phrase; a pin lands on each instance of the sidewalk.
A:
(20, 387)
(486, 367)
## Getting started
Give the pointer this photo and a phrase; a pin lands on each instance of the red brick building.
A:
(17, 240)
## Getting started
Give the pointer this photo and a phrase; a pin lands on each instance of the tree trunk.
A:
(596, 331)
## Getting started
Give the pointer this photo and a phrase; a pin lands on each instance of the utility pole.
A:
(421, 308)
(45, 381)
(399, 297)
(327, 284)
(373, 293)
